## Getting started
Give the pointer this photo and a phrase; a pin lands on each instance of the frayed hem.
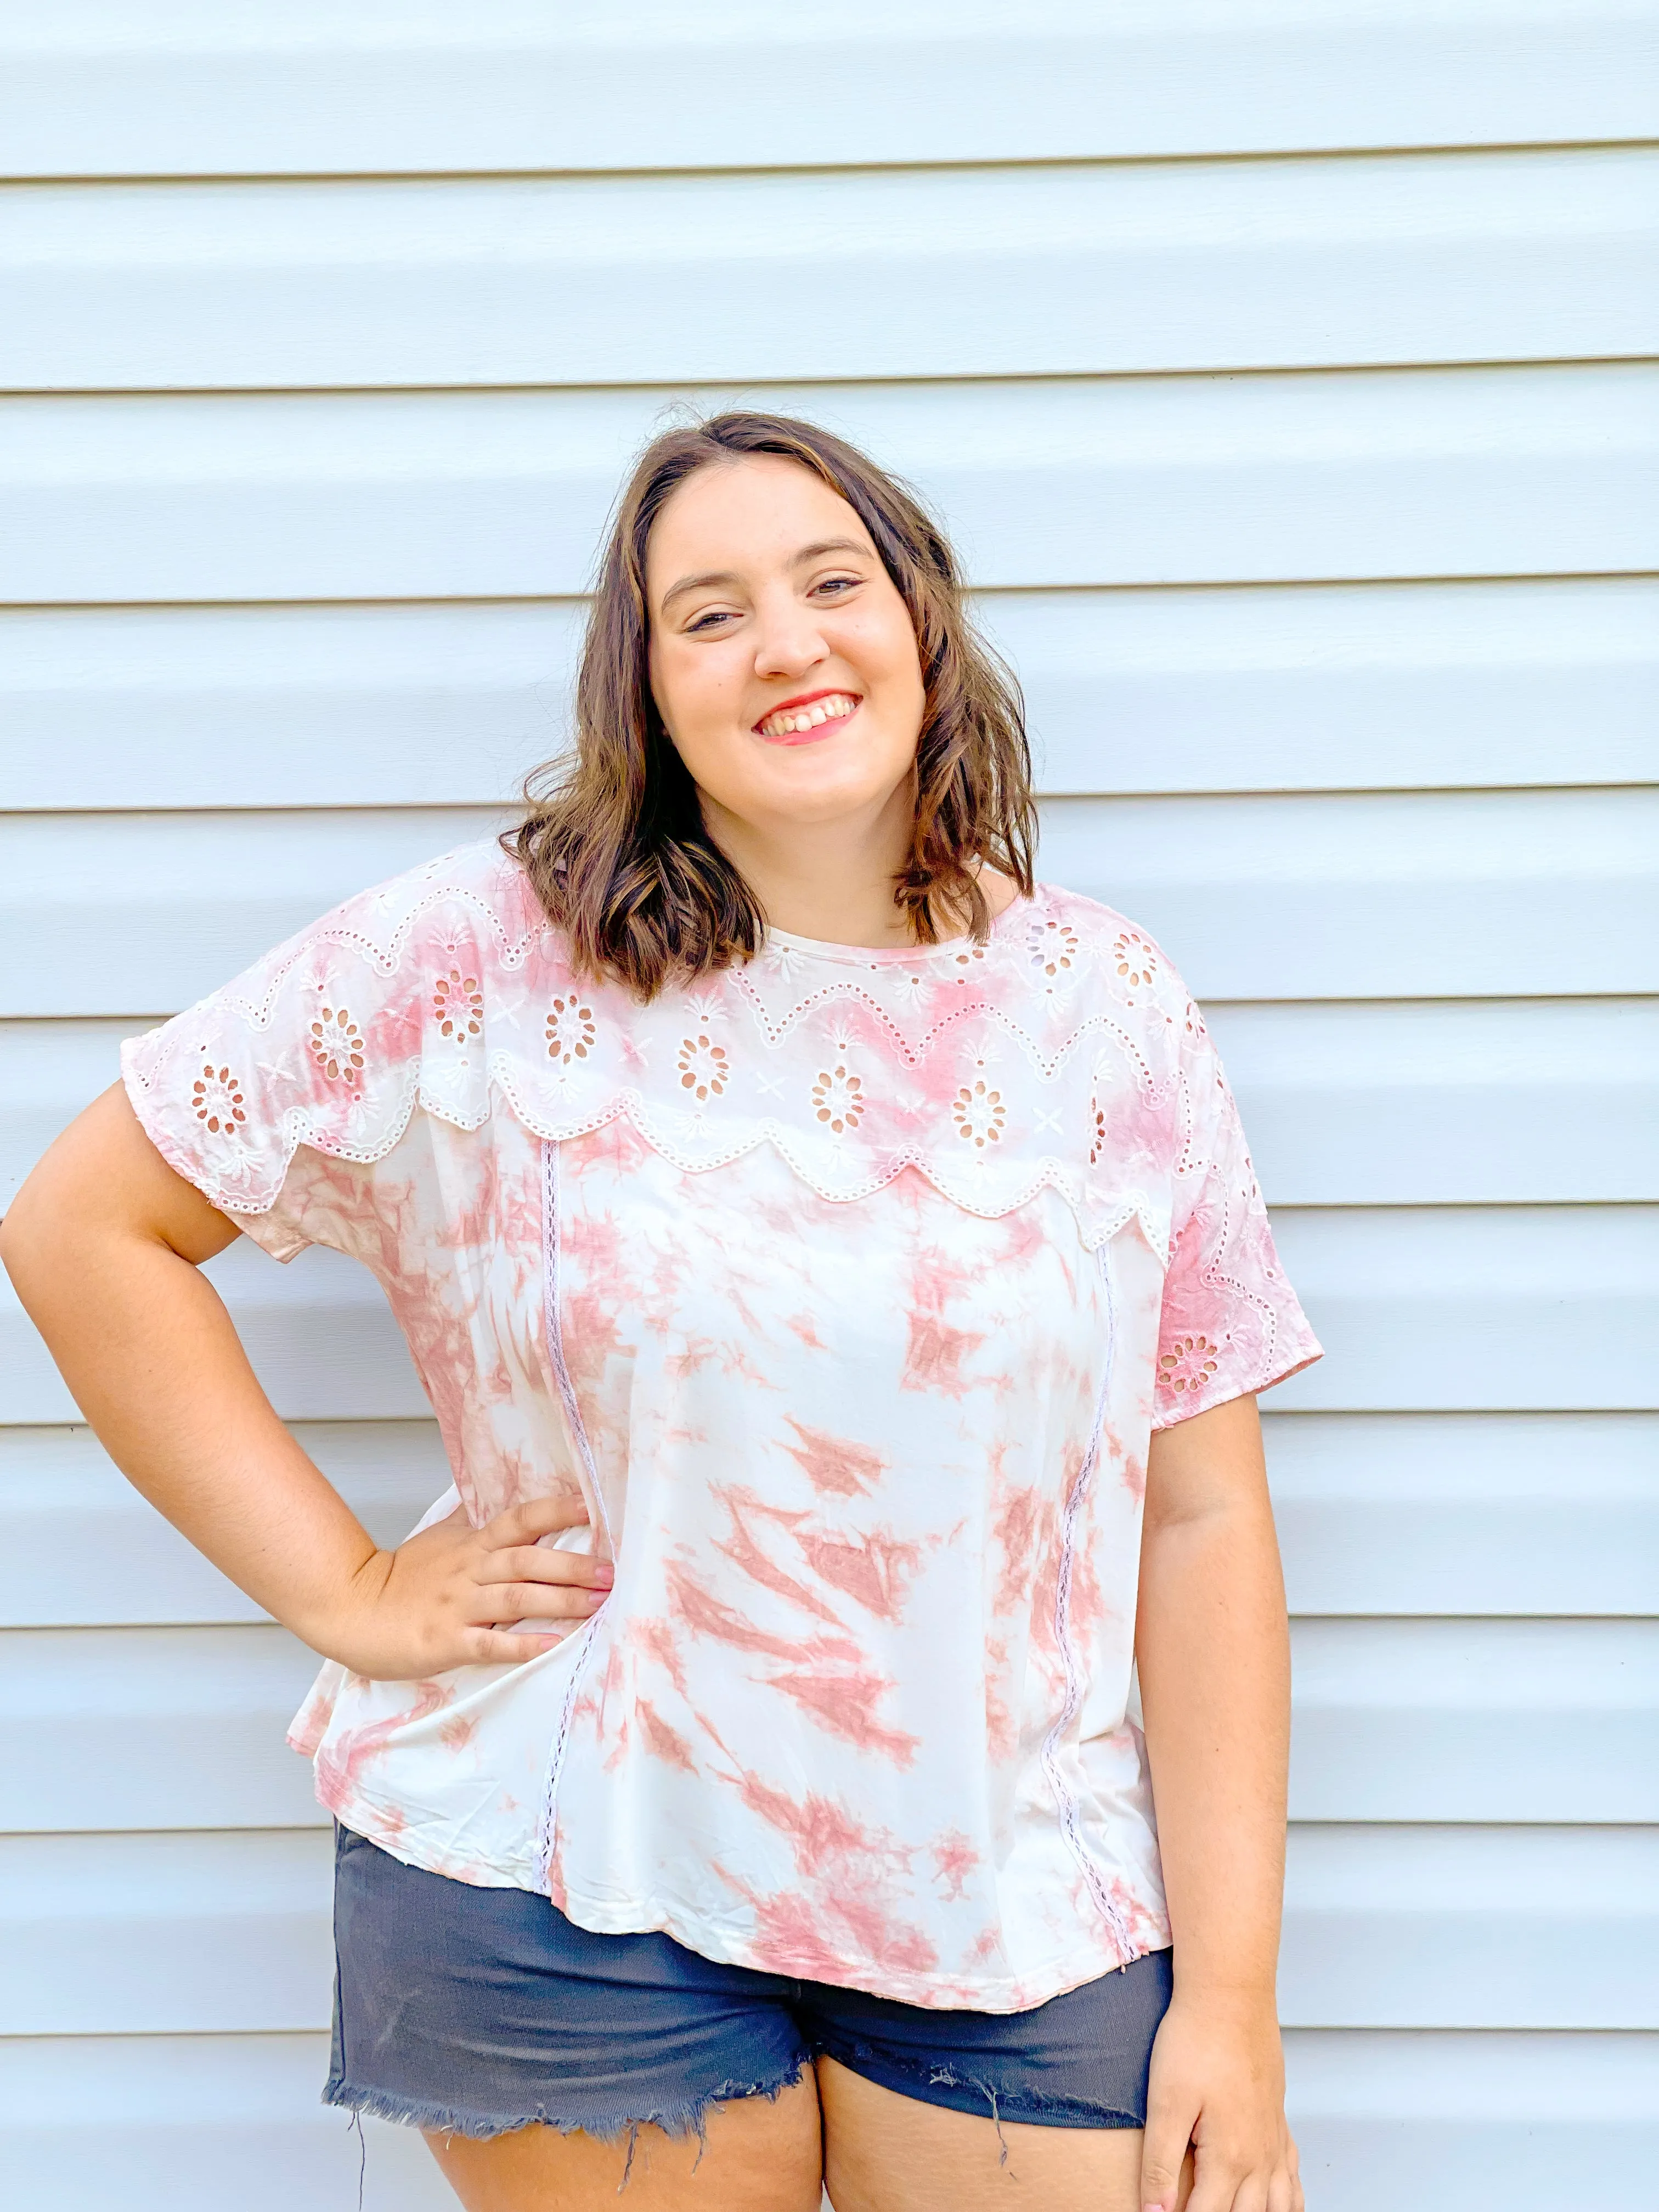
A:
(611, 2126)
(1025, 2107)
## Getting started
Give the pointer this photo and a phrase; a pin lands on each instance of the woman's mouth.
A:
(803, 721)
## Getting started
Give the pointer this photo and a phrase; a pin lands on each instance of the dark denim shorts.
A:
(477, 2011)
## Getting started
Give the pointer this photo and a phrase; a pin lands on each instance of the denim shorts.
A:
(473, 2012)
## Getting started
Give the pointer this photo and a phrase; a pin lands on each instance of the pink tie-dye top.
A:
(846, 1286)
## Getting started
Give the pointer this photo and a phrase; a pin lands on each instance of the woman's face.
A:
(783, 660)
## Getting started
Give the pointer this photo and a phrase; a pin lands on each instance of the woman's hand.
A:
(440, 1598)
(1218, 2080)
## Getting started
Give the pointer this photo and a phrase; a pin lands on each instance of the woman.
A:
(836, 1268)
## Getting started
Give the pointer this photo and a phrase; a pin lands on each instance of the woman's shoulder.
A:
(474, 899)
(1070, 937)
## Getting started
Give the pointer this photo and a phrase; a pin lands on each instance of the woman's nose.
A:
(789, 641)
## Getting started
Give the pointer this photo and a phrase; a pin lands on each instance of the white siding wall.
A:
(1278, 364)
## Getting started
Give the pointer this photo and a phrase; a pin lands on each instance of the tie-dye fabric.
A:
(846, 1286)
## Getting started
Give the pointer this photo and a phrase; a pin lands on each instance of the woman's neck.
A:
(833, 881)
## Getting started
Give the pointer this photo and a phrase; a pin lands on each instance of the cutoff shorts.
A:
(475, 2012)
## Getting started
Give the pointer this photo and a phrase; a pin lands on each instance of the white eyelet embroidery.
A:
(571, 1030)
(219, 1101)
(1190, 1364)
(1054, 950)
(979, 1114)
(856, 1067)
(458, 1003)
(837, 1098)
(1134, 959)
(703, 1067)
(337, 1043)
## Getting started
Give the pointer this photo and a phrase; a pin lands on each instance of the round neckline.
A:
(900, 956)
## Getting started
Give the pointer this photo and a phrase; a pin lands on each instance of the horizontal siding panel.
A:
(179, 1933)
(280, 90)
(1430, 895)
(83, 1548)
(1416, 1721)
(189, 2123)
(1404, 1513)
(152, 1727)
(1475, 1721)
(1454, 1308)
(1461, 1102)
(301, 706)
(171, 907)
(1338, 687)
(1385, 896)
(1403, 1102)
(1262, 688)
(1075, 271)
(192, 2124)
(1179, 480)
(1527, 2122)
(157, 1935)
(1438, 1927)
(1465, 1513)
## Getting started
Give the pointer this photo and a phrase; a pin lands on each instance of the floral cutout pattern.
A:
(337, 1043)
(837, 1098)
(1190, 1363)
(979, 1114)
(1054, 950)
(703, 1066)
(220, 1103)
(458, 1003)
(571, 1030)
(1134, 959)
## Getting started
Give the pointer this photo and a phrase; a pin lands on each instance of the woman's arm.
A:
(104, 1244)
(1212, 1652)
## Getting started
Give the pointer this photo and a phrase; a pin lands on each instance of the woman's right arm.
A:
(104, 1244)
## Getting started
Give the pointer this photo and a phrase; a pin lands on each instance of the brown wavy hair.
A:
(614, 840)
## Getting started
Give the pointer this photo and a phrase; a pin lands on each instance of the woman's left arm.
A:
(1212, 1652)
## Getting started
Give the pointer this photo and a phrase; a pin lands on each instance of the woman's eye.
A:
(837, 584)
(705, 622)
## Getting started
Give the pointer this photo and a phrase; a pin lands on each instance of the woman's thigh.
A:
(887, 2153)
(760, 2154)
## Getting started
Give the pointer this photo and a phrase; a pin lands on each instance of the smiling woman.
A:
(760, 572)
(836, 1266)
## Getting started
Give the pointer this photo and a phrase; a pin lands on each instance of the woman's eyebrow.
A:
(829, 545)
(698, 584)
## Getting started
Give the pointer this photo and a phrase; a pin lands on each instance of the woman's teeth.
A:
(789, 723)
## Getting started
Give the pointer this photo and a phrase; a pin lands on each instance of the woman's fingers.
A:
(494, 1647)
(539, 1601)
(534, 1563)
(1291, 2177)
(1163, 2150)
(537, 1516)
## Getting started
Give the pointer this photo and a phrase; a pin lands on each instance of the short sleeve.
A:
(316, 1046)
(1230, 1323)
